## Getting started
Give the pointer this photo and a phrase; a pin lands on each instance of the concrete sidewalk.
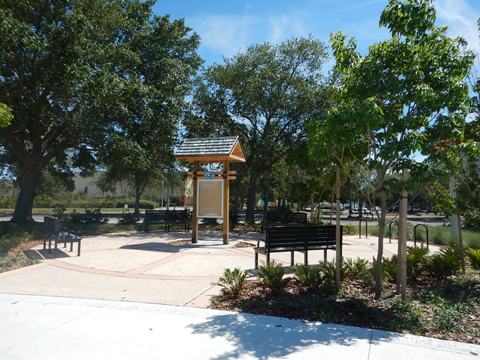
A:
(39, 327)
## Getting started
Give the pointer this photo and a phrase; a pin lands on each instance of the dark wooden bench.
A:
(59, 235)
(167, 218)
(275, 218)
(302, 238)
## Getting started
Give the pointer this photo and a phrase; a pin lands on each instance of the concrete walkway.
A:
(37, 327)
(155, 267)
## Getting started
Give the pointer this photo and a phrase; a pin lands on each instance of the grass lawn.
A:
(440, 235)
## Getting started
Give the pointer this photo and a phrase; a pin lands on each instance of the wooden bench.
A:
(167, 218)
(59, 235)
(272, 218)
(302, 238)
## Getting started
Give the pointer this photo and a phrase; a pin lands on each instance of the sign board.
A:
(210, 198)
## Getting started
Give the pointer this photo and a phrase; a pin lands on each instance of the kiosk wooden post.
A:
(211, 150)
(196, 168)
(226, 202)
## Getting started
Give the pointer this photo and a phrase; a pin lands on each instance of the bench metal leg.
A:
(268, 257)
(79, 242)
(305, 254)
(325, 256)
(71, 246)
(256, 260)
(292, 258)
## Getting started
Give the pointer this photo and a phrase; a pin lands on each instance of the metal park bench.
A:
(302, 238)
(58, 235)
(275, 218)
(167, 218)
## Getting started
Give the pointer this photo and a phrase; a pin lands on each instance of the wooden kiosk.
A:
(211, 192)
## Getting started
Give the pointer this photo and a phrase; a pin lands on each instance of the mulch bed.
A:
(452, 313)
(244, 244)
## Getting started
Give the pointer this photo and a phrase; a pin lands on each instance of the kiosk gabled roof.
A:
(211, 149)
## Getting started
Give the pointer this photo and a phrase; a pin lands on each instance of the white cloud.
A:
(228, 35)
(461, 19)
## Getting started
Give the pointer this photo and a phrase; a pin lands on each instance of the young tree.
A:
(403, 86)
(263, 94)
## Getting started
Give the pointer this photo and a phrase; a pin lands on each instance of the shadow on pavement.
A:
(264, 336)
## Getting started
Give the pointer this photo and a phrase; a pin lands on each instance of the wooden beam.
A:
(226, 202)
(196, 167)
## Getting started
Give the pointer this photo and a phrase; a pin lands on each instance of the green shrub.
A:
(310, 277)
(445, 263)
(389, 268)
(416, 259)
(232, 282)
(357, 269)
(474, 257)
(447, 316)
(272, 276)
(408, 314)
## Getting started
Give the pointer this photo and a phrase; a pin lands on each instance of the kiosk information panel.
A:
(210, 198)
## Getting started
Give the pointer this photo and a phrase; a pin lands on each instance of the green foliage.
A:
(89, 217)
(445, 263)
(265, 94)
(310, 277)
(107, 71)
(272, 276)
(408, 315)
(442, 201)
(416, 260)
(389, 268)
(448, 316)
(474, 257)
(358, 270)
(13, 261)
(232, 282)
(328, 271)
(12, 235)
(6, 115)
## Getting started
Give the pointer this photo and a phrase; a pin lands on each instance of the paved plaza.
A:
(155, 267)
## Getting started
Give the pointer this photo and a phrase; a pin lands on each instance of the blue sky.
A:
(229, 26)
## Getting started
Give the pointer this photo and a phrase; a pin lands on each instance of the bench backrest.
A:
(297, 236)
(52, 225)
(167, 215)
(285, 236)
(155, 215)
(296, 218)
(323, 235)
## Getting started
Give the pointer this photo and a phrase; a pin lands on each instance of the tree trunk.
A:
(402, 241)
(338, 252)
(381, 229)
(137, 200)
(28, 185)
(460, 240)
(252, 189)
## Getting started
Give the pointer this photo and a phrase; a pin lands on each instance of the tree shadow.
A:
(265, 336)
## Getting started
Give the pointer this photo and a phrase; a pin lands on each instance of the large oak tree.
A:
(263, 94)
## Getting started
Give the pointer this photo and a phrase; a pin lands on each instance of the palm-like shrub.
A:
(272, 276)
(232, 282)
(416, 259)
(310, 277)
(474, 257)
(445, 263)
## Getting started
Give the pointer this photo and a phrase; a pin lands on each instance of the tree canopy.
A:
(73, 72)
(264, 94)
